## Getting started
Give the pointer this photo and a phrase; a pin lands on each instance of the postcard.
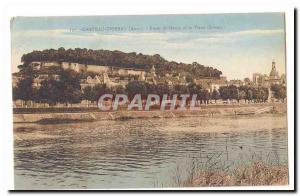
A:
(149, 101)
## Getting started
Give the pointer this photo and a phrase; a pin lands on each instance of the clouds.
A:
(169, 40)
(225, 50)
(251, 32)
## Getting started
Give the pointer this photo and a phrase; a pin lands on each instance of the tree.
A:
(229, 92)
(72, 95)
(50, 91)
(15, 93)
(194, 89)
(233, 92)
(243, 90)
(279, 91)
(65, 90)
(203, 96)
(282, 93)
(215, 95)
(162, 89)
(99, 90)
(224, 92)
(136, 87)
(261, 94)
(88, 93)
(180, 90)
(249, 95)
(70, 78)
(247, 81)
(242, 95)
(189, 78)
(24, 90)
(151, 88)
(119, 90)
(70, 83)
(27, 71)
(207, 96)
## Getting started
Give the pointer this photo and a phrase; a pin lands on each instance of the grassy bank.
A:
(258, 173)
(69, 115)
(258, 169)
(278, 106)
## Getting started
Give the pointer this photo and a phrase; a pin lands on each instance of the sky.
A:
(237, 44)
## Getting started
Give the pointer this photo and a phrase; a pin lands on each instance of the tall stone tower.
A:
(152, 71)
(142, 76)
(106, 80)
(273, 73)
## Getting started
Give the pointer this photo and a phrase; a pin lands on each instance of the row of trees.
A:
(65, 90)
(68, 90)
(246, 93)
(279, 91)
(120, 59)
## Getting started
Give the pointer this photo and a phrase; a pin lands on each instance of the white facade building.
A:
(97, 68)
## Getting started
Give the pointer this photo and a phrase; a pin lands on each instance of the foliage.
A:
(119, 59)
(136, 87)
(215, 95)
(50, 91)
(279, 91)
(228, 92)
(25, 90)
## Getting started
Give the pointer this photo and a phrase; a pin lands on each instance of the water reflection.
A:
(137, 153)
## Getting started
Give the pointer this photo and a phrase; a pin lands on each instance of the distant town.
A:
(58, 83)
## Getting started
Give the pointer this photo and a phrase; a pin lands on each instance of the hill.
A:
(121, 59)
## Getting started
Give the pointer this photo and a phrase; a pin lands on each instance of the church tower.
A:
(273, 73)
(152, 71)
(274, 66)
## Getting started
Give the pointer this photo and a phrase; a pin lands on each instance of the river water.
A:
(141, 153)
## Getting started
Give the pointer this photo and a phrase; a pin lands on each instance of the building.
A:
(41, 77)
(211, 84)
(125, 71)
(49, 64)
(66, 65)
(37, 65)
(150, 76)
(216, 84)
(90, 81)
(268, 80)
(109, 83)
(274, 76)
(78, 67)
(97, 68)
(135, 72)
(237, 83)
(142, 76)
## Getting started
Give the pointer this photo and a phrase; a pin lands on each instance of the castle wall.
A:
(77, 67)
(135, 72)
(50, 64)
(97, 68)
(65, 65)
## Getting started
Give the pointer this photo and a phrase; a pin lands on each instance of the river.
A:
(141, 153)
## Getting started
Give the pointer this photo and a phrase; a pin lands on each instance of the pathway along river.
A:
(140, 153)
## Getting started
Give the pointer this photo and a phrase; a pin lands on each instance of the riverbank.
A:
(95, 115)
(257, 173)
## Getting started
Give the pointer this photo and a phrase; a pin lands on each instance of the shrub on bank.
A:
(258, 173)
